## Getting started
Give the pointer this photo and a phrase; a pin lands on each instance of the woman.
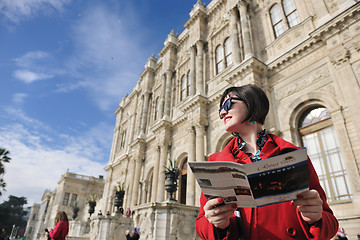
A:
(61, 228)
(135, 234)
(243, 111)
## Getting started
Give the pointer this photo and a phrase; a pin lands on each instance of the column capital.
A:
(199, 44)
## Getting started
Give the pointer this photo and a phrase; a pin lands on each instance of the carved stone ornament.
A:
(340, 56)
(263, 3)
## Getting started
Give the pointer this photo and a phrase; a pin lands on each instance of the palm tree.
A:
(4, 158)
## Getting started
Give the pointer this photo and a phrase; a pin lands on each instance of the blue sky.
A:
(64, 67)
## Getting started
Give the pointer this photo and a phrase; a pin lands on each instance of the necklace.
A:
(260, 142)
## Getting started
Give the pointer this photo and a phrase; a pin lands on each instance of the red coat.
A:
(60, 231)
(278, 221)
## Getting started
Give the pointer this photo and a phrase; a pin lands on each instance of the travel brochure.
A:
(273, 180)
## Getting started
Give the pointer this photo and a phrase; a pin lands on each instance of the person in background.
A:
(61, 228)
(243, 111)
(99, 213)
(135, 234)
(341, 235)
(3, 234)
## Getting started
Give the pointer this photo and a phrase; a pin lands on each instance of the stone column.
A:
(235, 43)
(130, 175)
(155, 176)
(161, 172)
(199, 68)
(168, 93)
(162, 97)
(245, 29)
(190, 182)
(200, 155)
(108, 203)
(192, 70)
(144, 116)
(136, 181)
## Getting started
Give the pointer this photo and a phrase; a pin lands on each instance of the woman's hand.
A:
(219, 215)
(309, 205)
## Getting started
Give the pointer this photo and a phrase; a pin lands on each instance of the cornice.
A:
(337, 23)
(248, 66)
(318, 37)
(197, 100)
(161, 124)
(196, 15)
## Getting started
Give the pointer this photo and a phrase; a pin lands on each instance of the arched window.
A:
(188, 82)
(291, 13)
(157, 106)
(184, 87)
(277, 20)
(182, 181)
(319, 137)
(284, 17)
(148, 186)
(219, 55)
(227, 47)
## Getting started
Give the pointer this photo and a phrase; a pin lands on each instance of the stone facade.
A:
(172, 112)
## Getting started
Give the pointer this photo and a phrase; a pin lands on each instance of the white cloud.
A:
(109, 56)
(18, 98)
(29, 77)
(18, 10)
(39, 155)
(30, 59)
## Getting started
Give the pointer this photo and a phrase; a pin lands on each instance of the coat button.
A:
(291, 231)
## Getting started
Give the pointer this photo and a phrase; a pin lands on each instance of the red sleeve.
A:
(327, 227)
(206, 230)
(55, 233)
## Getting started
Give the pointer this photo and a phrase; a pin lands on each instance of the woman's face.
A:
(234, 117)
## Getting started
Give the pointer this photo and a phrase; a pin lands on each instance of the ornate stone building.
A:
(71, 188)
(305, 54)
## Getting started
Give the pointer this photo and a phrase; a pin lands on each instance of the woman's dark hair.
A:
(254, 98)
(61, 216)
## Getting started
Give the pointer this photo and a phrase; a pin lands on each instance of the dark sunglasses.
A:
(227, 105)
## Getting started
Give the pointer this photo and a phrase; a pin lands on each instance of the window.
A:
(33, 217)
(73, 199)
(183, 182)
(223, 56)
(319, 137)
(227, 46)
(284, 17)
(184, 87)
(123, 138)
(291, 13)
(219, 59)
(157, 108)
(66, 199)
(276, 19)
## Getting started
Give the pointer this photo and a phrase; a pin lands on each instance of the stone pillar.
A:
(192, 70)
(200, 155)
(144, 116)
(168, 93)
(161, 172)
(155, 176)
(136, 181)
(235, 43)
(130, 175)
(199, 68)
(162, 97)
(108, 203)
(190, 184)
(245, 29)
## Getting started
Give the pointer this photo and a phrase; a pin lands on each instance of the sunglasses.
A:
(227, 105)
